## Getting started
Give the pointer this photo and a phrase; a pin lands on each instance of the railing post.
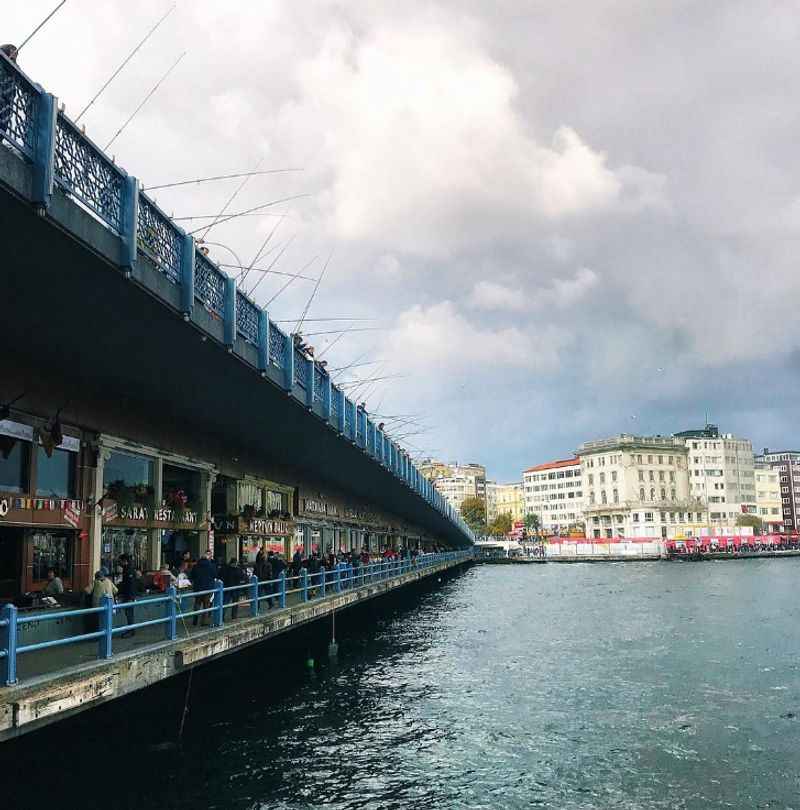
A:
(282, 590)
(288, 363)
(44, 151)
(171, 626)
(104, 646)
(218, 603)
(263, 340)
(253, 595)
(337, 579)
(129, 216)
(326, 397)
(8, 642)
(342, 415)
(229, 308)
(187, 275)
(322, 581)
(304, 583)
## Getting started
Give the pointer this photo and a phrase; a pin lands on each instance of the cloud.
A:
(489, 295)
(560, 293)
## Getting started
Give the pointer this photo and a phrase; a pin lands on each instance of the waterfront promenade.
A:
(64, 676)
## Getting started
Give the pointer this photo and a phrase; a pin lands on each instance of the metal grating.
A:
(246, 318)
(87, 174)
(18, 107)
(159, 239)
(277, 346)
(209, 285)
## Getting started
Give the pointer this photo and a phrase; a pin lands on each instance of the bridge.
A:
(149, 407)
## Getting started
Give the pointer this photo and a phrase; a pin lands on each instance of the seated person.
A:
(54, 585)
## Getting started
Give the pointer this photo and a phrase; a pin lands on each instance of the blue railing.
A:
(251, 596)
(299, 368)
(61, 154)
(246, 319)
(19, 103)
(334, 403)
(319, 383)
(209, 285)
(277, 346)
(159, 239)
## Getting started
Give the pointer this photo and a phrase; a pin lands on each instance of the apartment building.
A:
(786, 463)
(638, 486)
(768, 498)
(721, 474)
(503, 499)
(455, 481)
(554, 492)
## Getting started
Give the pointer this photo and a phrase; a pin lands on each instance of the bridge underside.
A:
(80, 336)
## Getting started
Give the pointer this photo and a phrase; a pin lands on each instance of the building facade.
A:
(721, 474)
(555, 493)
(786, 463)
(768, 498)
(454, 481)
(503, 499)
(638, 486)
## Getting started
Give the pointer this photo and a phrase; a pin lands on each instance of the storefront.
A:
(153, 505)
(251, 514)
(41, 516)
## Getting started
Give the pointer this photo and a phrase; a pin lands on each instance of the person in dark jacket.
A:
(202, 575)
(127, 591)
(232, 575)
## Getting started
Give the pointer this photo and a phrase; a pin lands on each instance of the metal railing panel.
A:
(19, 100)
(246, 318)
(209, 285)
(159, 239)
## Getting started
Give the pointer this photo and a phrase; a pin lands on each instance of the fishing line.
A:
(127, 59)
(233, 197)
(220, 221)
(260, 250)
(144, 101)
(269, 269)
(199, 180)
(294, 278)
(313, 293)
(40, 26)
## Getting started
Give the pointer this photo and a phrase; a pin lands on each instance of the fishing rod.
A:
(214, 216)
(274, 262)
(243, 275)
(262, 270)
(40, 26)
(219, 221)
(125, 62)
(216, 177)
(294, 278)
(330, 345)
(337, 331)
(313, 293)
(233, 197)
(372, 379)
(144, 101)
(311, 320)
(352, 365)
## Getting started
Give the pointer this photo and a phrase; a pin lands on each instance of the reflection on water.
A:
(568, 686)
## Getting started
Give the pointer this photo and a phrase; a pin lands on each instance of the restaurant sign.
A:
(262, 526)
(146, 514)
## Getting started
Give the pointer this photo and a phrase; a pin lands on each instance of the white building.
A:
(455, 481)
(768, 497)
(786, 463)
(721, 474)
(637, 486)
(554, 492)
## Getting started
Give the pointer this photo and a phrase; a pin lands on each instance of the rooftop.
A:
(552, 465)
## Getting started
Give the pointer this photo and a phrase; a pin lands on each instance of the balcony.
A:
(681, 505)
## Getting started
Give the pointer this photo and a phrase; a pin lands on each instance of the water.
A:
(562, 686)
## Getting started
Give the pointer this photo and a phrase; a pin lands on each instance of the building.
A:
(503, 499)
(554, 492)
(768, 498)
(638, 486)
(786, 463)
(455, 481)
(721, 474)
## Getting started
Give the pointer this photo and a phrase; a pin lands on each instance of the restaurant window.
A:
(51, 550)
(119, 540)
(14, 463)
(130, 469)
(181, 486)
(55, 476)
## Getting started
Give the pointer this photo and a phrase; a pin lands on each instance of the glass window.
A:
(118, 541)
(55, 476)
(182, 488)
(14, 462)
(52, 550)
(128, 468)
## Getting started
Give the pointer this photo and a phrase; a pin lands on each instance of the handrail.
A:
(63, 156)
(310, 587)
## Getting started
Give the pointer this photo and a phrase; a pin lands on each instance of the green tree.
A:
(501, 525)
(533, 523)
(473, 510)
(750, 520)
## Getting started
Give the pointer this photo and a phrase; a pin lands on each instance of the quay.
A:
(108, 668)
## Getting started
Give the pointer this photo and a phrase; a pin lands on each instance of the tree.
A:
(473, 510)
(533, 523)
(501, 525)
(750, 520)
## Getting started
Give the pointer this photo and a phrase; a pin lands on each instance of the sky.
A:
(556, 222)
